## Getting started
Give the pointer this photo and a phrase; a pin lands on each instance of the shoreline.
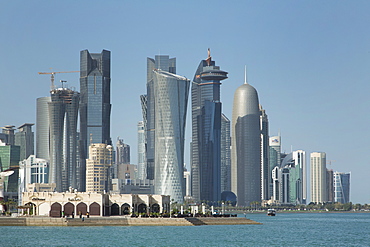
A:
(123, 221)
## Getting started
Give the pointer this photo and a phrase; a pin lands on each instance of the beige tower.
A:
(318, 177)
(97, 165)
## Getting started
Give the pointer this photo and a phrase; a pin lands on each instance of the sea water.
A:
(285, 229)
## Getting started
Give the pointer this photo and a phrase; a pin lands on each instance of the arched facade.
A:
(53, 204)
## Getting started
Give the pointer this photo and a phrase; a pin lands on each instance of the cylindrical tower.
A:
(246, 146)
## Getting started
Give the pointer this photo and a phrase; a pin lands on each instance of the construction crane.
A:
(52, 75)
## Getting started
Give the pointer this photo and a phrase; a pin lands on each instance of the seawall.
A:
(122, 221)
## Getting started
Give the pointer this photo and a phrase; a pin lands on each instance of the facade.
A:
(274, 156)
(318, 177)
(42, 128)
(163, 63)
(295, 163)
(122, 152)
(330, 184)
(265, 166)
(32, 171)
(342, 183)
(171, 97)
(246, 146)
(95, 204)
(9, 158)
(225, 154)
(8, 132)
(141, 163)
(126, 171)
(95, 106)
(97, 167)
(25, 139)
(63, 115)
(206, 131)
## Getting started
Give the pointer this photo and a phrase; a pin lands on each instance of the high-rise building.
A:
(9, 158)
(97, 167)
(122, 152)
(225, 154)
(141, 163)
(318, 177)
(25, 139)
(342, 183)
(206, 131)
(265, 166)
(8, 131)
(95, 106)
(63, 115)
(246, 146)
(295, 163)
(274, 157)
(33, 170)
(163, 63)
(171, 97)
(42, 128)
(330, 185)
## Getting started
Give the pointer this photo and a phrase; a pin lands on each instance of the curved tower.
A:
(246, 146)
(171, 98)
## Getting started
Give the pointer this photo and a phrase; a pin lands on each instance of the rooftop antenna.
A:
(209, 58)
(245, 75)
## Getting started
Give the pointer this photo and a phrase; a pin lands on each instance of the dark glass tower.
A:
(206, 131)
(95, 106)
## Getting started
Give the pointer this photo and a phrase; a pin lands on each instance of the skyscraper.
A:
(295, 164)
(274, 157)
(141, 164)
(170, 99)
(63, 115)
(163, 63)
(342, 183)
(225, 154)
(265, 166)
(318, 177)
(25, 139)
(206, 131)
(42, 128)
(122, 152)
(97, 166)
(246, 146)
(9, 158)
(95, 106)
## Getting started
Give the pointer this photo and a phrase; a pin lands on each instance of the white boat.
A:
(271, 212)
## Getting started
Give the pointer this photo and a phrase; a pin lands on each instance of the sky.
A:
(308, 60)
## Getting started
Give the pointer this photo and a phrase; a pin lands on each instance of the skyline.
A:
(307, 60)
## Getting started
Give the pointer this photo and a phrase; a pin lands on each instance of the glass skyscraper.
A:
(25, 139)
(225, 154)
(163, 63)
(206, 131)
(170, 99)
(265, 167)
(342, 187)
(95, 106)
(141, 164)
(63, 115)
(42, 128)
(246, 146)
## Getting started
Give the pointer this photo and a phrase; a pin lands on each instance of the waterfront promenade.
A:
(123, 221)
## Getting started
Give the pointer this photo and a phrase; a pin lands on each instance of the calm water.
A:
(285, 229)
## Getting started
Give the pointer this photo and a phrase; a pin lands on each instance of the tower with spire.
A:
(246, 145)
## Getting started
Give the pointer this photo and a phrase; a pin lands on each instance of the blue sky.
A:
(308, 60)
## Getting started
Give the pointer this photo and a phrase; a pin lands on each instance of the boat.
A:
(271, 212)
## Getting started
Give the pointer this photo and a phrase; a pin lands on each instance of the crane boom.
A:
(52, 75)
